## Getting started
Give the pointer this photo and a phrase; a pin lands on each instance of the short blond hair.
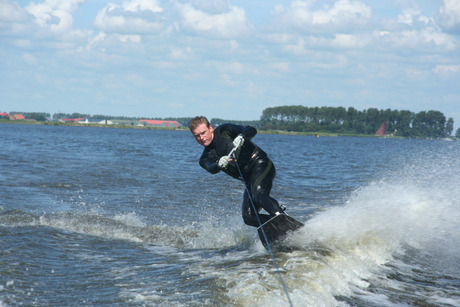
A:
(198, 120)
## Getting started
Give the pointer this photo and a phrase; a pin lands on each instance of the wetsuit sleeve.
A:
(208, 161)
(233, 131)
(249, 132)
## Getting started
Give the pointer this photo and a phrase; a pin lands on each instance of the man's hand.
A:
(223, 162)
(238, 141)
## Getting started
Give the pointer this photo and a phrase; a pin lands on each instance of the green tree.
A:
(41, 117)
(436, 124)
(430, 124)
(403, 123)
(352, 119)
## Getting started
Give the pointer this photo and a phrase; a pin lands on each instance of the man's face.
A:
(203, 134)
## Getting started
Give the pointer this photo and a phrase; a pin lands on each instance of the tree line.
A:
(297, 118)
(426, 124)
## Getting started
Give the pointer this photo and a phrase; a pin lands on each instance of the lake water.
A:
(126, 217)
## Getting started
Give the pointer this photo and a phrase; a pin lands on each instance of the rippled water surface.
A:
(102, 216)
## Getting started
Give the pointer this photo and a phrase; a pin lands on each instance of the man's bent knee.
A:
(250, 220)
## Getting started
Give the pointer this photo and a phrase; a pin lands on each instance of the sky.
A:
(228, 59)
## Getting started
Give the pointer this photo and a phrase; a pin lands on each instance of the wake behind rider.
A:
(257, 169)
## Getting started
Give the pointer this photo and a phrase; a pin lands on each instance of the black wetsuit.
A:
(257, 169)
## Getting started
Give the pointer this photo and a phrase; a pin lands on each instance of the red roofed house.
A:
(161, 123)
(17, 117)
(4, 114)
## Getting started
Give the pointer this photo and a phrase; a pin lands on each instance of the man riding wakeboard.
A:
(228, 144)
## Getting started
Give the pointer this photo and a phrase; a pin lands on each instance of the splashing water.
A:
(376, 249)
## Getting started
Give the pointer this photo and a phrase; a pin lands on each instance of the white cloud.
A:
(233, 67)
(55, 15)
(103, 41)
(407, 16)
(11, 12)
(136, 6)
(228, 81)
(281, 38)
(442, 69)
(22, 43)
(129, 38)
(417, 39)
(332, 62)
(181, 54)
(230, 23)
(344, 14)
(136, 16)
(95, 40)
(349, 41)
(212, 7)
(450, 15)
(440, 39)
(341, 41)
(298, 48)
(413, 18)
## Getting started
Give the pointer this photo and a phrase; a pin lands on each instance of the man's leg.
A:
(262, 178)
(249, 216)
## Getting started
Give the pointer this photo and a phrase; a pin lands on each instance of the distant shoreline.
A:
(317, 134)
(26, 122)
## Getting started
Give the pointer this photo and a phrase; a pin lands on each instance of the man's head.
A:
(201, 130)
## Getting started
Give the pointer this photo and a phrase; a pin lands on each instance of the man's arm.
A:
(249, 132)
(208, 164)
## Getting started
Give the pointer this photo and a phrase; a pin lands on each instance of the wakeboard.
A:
(276, 229)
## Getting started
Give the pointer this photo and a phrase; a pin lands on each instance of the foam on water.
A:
(204, 235)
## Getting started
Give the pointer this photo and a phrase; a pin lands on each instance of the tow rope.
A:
(232, 153)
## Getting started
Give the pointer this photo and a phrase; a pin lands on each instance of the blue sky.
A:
(228, 59)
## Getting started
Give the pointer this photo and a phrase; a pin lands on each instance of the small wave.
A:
(130, 227)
